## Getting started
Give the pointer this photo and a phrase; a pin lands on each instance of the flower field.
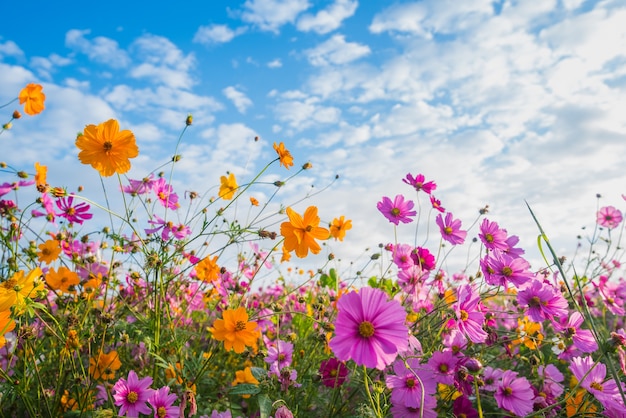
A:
(157, 310)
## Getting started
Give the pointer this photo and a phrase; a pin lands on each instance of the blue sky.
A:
(498, 102)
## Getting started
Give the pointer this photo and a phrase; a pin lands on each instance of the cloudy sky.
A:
(498, 102)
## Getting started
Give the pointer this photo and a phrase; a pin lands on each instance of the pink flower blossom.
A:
(165, 194)
(492, 236)
(543, 301)
(419, 183)
(410, 383)
(397, 211)
(451, 229)
(514, 394)
(500, 269)
(570, 328)
(279, 356)
(131, 395)
(591, 376)
(369, 328)
(179, 231)
(436, 204)
(609, 217)
(469, 318)
(74, 214)
(334, 372)
(162, 401)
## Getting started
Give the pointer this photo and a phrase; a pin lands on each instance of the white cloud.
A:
(400, 18)
(239, 99)
(99, 49)
(270, 15)
(302, 114)
(336, 51)
(276, 63)
(329, 19)
(216, 34)
(163, 62)
(10, 49)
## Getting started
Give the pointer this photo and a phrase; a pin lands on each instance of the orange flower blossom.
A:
(339, 226)
(286, 160)
(228, 186)
(235, 330)
(301, 232)
(33, 99)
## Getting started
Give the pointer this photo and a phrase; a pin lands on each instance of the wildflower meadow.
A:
(157, 309)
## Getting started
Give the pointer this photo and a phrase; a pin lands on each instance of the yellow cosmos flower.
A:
(6, 325)
(301, 232)
(14, 291)
(228, 187)
(49, 251)
(33, 99)
(338, 228)
(286, 160)
(62, 280)
(106, 148)
(103, 366)
(207, 269)
(235, 330)
(41, 173)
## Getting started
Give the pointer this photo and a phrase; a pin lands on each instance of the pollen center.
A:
(108, 146)
(132, 397)
(240, 326)
(366, 329)
(464, 315)
(395, 211)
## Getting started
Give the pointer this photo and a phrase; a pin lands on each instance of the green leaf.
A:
(258, 373)
(265, 406)
(245, 389)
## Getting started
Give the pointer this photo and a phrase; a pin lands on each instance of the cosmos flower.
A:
(369, 328)
(410, 383)
(235, 330)
(33, 98)
(132, 394)
(419, 183)
(228, 186)
(62, 280)
(165, 193)
(300, 232)
(543, 301)
(339, 226)
(451, 229)
(284, 156)
(469, 318)
(397, 211)
(104, 365)
(73, 213)
(48, 251)
(20, 286)
(514, 394)
(162, 401)
(106, 148)
(334, 372)
(609, 217)
(492, 236)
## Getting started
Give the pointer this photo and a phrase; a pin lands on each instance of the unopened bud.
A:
(189, 120)
(16, 114)
(7, 126)
(176, 158)
(279, 183)
(307, 166)
(22, 174)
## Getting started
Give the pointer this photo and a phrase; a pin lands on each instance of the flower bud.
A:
(16, 114)
(189, 120)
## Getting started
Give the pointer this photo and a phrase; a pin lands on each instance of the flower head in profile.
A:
(228, 186)
(369, 328)
(41, 173)
(451, 229)
(334, 372)
(106, 148)
(339, 226)
(300, 232)
(33, 98)
(286, 160)
(235, 330)
(609, 217)
(398, 210)
(419, 183)
(132, 394)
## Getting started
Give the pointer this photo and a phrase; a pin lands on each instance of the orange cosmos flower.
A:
(103, 366)
(49, 251)
(106, 148)
(228, 187)
(235, 330)
(19, 287)
(41, 172)
(245, 376)
(253, 201)
(32, 98)
(338, 228)
(207, 269)
(6, 325)
(286, 160)
(300, 232)
(62, 280)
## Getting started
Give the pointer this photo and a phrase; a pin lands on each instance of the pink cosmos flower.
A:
(514, 394)
(402, 256)
(492, 236)
(491, 377)
(410, 383)
(443, 365)
(570, 328)
(419, 183)
(139, 187)
(162, 401)
(500, 269)
(131, 395)
(179, 231)
(451, 229)
(436, 203)
(74, 214)
(423, 258)
(609, 217)
(279, 356)
(591, 376)
(5, 188)
(469, 318)
(543, 301)
(165, 193)
(462, 407)
(334, 372)
(369, 328)
(397, 211)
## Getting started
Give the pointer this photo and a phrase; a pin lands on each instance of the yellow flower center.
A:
(333, 373)
(464, 315)
(108, 146)
(507, 271)
(447, 230)
(132, 397)
(597, 386)
(395, 211)
(366, 329)
(161, 412)
(488, 237)
(71, 211)
(410, 382)
(443, 368)
(240, 326)
(534, 302)
(308, 228)
(281, 357)
(508, 391)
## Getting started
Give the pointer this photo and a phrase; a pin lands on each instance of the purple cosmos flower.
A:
(419, 183)
(138, 187)
(369, 328)
(491, 377)
(436, 204)
(570, 328)
(162, 401)
(500, 269)
(74, 214)
(543, 301)
(462, 407)
(410, 383)
(334, 372)
(514, 394)
(451, 229)
(179, 231)
(591, 376)
(279, 356)
(492, 236)
(443, 364)
(131, 395)
(609, 217)
(469, 318)
(165, 193)
(423, 258)
(397, 211)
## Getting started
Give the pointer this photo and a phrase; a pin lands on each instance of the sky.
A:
(499, 102)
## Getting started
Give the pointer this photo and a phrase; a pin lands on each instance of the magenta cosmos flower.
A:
(162, 401)
(73, 213)
(411, 383)
(334, 372)
(469, 318)
(369, 328)
(131, 395)
(397, 211)
(591, 376)
(609, 217)
(451, 229)
(515, 394)
(419, 183)
(492, 236)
